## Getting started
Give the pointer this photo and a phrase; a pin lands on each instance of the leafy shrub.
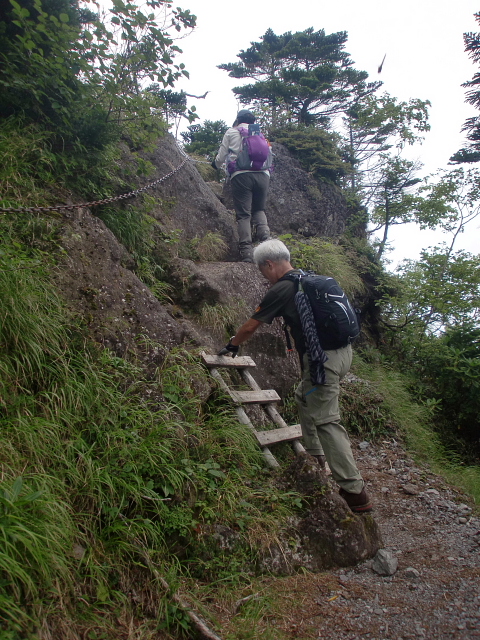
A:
(449, 370)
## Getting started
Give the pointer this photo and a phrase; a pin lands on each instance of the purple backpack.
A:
(256, 153)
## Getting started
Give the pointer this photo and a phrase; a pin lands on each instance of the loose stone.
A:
(384, 563)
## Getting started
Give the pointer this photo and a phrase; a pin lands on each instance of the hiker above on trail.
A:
(323, 325)
(247, 156)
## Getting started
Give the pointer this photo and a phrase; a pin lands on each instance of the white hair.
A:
(273, 250)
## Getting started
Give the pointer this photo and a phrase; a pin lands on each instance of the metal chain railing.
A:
(193, 159)
(124, 196)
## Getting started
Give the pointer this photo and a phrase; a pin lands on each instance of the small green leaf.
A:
(17, 488)
(64, 17)
(217, 474)
(102, 593)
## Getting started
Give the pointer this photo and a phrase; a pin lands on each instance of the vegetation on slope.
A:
(104, 464)
(111, 472)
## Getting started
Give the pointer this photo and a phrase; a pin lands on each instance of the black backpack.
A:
(335, 319)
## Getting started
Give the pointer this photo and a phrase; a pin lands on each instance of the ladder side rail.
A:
(244, 419)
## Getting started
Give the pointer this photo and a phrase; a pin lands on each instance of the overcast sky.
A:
(425, 58)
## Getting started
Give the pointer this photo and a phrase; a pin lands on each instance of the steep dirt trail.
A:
(435, 592)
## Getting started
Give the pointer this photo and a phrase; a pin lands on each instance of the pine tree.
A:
(305, 77)
(471, 153)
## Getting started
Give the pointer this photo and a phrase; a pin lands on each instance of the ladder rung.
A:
(255, 397)
(227, 361)
(266, 438)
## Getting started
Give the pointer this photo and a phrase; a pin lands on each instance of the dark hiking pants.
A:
(249, 192)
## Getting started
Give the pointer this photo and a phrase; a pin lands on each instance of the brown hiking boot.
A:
(358, 502)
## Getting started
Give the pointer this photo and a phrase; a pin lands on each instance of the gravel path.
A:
(430, 529)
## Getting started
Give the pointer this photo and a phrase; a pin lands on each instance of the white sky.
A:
(423, 40)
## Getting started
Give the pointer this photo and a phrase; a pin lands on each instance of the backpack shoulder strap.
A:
(293, 277)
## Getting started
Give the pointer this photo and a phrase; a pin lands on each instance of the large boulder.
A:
(328, 534)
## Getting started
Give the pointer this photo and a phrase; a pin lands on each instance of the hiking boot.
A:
(246, 254)
(358, 502)
(321, 460)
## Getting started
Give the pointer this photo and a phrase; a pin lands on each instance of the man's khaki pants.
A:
(320, 419)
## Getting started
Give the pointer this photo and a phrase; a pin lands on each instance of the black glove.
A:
(214, 165)
(229, 349)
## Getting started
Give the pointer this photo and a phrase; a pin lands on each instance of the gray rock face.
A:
(384, 563)
(236, 289)
(95, 277)
(298, 203)
(186, 202)
(329, 534)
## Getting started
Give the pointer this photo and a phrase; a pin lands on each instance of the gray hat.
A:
(245, 113)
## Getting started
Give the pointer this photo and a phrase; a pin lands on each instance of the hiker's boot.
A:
(358, 502)
(246, 253)
(321, 460)
(261, 231)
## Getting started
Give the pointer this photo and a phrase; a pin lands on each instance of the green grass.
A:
(414, 422)
(223, 319)
(209, 248)
(26, 164)
(329, 259)
(99, 455)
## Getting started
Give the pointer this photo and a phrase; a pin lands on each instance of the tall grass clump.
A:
(26, 164)
(209, 248)
(222, 319)
(321, 256)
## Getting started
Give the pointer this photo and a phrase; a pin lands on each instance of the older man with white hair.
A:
(323, 434)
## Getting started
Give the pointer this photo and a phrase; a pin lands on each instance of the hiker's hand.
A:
(229, 349)
(214, 165)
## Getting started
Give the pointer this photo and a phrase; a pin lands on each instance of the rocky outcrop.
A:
(185, 202)
(297, 203)
(209, 301)
(96, 272)
(328, 535)
(95, 278)
(230, 292)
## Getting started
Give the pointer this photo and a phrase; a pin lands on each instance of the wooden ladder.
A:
(266, 399)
